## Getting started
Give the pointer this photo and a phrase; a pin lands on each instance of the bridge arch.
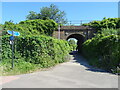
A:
(80, 39)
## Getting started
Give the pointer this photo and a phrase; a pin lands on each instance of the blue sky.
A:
(17, 11)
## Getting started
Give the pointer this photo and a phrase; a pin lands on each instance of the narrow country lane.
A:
(73, 74)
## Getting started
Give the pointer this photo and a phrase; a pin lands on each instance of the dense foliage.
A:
(32, 27)
(105, 23)
(35, 50)
(51, 12)
(103, 50)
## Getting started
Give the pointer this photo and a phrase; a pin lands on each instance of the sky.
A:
(75, 11)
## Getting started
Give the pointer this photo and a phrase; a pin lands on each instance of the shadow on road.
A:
(79, 59)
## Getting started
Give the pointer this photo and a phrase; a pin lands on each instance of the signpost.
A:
(12, 38)
(59, 32)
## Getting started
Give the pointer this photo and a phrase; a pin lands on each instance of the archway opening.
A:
(73, 43)
(79, 39)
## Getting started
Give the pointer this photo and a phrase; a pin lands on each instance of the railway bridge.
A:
(81, 33)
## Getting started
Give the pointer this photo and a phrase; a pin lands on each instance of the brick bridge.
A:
(81, 33)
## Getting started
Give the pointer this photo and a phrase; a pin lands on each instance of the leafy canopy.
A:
(105, 23)
(32, 27)
(51, 12)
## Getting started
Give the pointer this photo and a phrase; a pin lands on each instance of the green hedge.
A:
(32, 27)
(34, 48)
(41, 50)
(103, 51)
(105, 23)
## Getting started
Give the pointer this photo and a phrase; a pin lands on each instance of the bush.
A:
(103, 50)
(34, 48)
(105, 23)
(32, 27)
(39, 50)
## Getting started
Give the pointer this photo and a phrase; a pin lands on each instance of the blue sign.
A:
(14, 33)
(12, 38)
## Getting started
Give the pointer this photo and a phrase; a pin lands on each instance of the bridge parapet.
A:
(75, 27)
